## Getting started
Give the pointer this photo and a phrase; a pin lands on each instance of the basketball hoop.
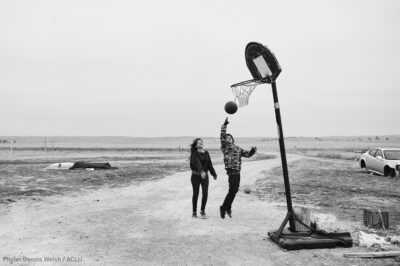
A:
(243, 90)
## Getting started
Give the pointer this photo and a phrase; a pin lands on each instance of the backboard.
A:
(261, 62)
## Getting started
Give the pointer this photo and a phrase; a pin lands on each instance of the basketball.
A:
(231, 107)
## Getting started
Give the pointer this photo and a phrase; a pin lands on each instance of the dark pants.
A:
(234, 182)
(196, 182)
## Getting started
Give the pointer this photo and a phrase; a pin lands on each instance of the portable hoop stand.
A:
(264, 68)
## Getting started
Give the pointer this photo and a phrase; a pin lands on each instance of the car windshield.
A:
(392, 155)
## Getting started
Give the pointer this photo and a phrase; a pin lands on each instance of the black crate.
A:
(376, 219)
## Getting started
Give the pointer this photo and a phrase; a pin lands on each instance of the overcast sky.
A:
(164, 68)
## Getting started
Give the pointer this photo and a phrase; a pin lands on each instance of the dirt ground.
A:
(150, 223)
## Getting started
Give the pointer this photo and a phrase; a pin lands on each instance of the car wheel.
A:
(392, 172)
(389, 172)
(362, 164)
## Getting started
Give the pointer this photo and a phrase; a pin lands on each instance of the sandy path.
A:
(150, 224)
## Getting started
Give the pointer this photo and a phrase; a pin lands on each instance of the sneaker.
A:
(203, 215)
(194, 215)
(229, 212)
(222, 212)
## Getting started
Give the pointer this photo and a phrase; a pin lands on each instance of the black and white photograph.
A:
(195, 132)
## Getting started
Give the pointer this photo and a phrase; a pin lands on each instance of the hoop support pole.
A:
(284, 162)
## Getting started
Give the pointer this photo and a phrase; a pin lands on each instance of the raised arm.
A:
(223, 133)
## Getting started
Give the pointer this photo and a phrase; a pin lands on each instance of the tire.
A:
(392, 172)
(389, 171)
(362, 164)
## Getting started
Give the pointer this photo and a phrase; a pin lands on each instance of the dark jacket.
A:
(232, 153)
(201, 162)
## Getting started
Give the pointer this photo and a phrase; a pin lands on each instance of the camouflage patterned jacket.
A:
(232, 153)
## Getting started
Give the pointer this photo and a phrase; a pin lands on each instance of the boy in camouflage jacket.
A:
(233, 162)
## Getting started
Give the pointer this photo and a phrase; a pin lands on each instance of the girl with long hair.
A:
(201, 164)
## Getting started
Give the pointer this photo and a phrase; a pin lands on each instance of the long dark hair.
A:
(193, 147)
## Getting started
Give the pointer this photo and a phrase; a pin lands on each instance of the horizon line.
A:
(154, 137)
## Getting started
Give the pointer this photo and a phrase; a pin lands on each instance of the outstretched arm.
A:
(250, 153)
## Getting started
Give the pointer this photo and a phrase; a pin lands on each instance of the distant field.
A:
(315, 146)
(22, 172)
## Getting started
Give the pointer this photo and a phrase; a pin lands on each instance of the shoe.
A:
(194, 215)
(222, 212)
(203, 215)
(229, 212)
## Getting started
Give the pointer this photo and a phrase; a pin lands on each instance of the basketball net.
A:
(243, 90)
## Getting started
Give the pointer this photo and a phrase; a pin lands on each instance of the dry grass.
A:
(339, 186)
(342, 154)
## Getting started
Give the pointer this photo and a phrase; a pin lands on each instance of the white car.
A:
(383, 161)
